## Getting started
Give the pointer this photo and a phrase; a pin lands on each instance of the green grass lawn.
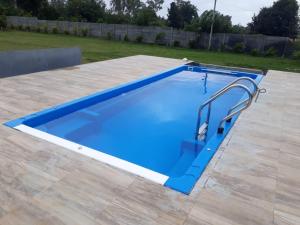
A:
(95, 49)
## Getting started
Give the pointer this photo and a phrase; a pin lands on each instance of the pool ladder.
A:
(201, 130)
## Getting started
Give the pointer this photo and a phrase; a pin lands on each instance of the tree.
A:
(146, 16)
(174, 17)
(181, 13)
(129, 7)
(31, 6)
(88, 10)
(187, 11)
(281, 19)
(156, 5)
(222, 22)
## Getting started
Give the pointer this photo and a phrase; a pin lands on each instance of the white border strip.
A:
(100, 156)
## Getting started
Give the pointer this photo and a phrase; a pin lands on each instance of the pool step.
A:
(202, 131)
(189, 151)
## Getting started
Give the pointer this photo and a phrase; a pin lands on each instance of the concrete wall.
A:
(260, 43)
(29, 61)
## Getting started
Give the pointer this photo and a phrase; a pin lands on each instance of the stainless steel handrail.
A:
(215, 96)
(256, 88)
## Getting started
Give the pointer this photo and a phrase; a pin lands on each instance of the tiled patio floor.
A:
(254, 178)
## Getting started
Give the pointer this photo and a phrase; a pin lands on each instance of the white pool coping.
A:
(95, 154)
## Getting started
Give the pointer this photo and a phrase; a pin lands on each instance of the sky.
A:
(241, 11)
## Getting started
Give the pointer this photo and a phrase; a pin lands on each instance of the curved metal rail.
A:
(201, 130)
(255, 90)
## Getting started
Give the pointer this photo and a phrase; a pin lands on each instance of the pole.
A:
(212, 25)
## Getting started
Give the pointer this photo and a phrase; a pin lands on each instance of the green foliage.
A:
(281, 19)
(95, 49)
(160, 37)
(174, 17)
(139, 39)
(66, 32)
(155, 5)
(254, 52)
(193, 44)
(239, 29)
(296, 55)
(75, 31)
(27, 28)
(20, 27)
(126, 38)
(222, 22)
(176, 43)
(109, 36)
(54, 30)
(145, 17)
(84, 32)
(239, 47)
(181, 13)
(271, 52)
(3, 23)
(45, 29)
(38, 29)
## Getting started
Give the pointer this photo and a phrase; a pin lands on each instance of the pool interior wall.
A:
(150, 122)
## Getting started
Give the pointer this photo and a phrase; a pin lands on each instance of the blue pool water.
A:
(152, 126)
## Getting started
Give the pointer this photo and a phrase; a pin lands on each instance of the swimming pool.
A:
(147, 127)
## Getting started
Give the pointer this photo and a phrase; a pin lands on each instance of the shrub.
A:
(20, 27)
(12, 27)
(271, 52)
(239, 47)
(254, 52)
(126, 38)
(45, 29)
(75, 31)
(108, 36)
(38, 29)
(296, 55)
(27, 28)
(54, 30)
(192, 44)
(176, 43)
(84, 32)
(3, 22)
(160, 37)
(139, 38)
(66, 32)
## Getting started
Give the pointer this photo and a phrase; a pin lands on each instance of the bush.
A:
(176, 43)
(192, 44)
(20, 27)
(66, 32)
(239, 47)
(126, 38)
(296, 55)
(139, 39)
(54, 30)
(108, 36)
(84, 32)
(3, 22)
(160, 37)
(27, 28)
(12, 27)
(38, 29)
(254, 52)
(271, 52)
(75, 31)
(45, 29)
